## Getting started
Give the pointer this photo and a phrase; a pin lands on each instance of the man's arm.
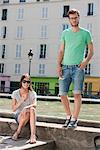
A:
(59, 59)
(89, 56)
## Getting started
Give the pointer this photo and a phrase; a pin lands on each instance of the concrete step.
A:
(82, 137)
(9, 144)
(52, 119)
(8, 127)
(97, 142)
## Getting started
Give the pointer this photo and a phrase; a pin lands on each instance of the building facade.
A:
(37, 25)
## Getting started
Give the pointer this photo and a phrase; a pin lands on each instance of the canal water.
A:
(55, 108)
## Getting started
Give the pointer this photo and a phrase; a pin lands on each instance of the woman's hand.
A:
(16, 105)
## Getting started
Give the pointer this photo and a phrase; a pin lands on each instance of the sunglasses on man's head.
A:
(25, 81)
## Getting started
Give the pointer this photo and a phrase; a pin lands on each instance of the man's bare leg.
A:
(77, 105)
(66, 104)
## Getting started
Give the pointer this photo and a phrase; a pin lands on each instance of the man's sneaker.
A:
(73, 124)
(67, 122)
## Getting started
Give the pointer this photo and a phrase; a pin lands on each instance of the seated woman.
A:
(24, 106)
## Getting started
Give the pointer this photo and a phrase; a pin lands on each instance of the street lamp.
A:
(30, 56)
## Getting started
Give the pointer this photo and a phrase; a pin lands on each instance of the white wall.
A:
(31, 38)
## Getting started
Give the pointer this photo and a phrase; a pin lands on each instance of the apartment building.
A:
(37, 25)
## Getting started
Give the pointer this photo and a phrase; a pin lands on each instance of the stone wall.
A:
(50, 128)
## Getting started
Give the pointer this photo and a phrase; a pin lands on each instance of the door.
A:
(2, 86)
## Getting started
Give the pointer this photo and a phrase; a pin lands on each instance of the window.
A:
(41, 88)
(86, 52)
(17, 68)
(18, 51)
(19, 32)
(65, 10)
(88, 69)
(2, 88)
(87, 89)
(20, 13)
(41, 69)
(5, 1)
(45, 0)
(1, 68)
(22, 1)
(43, 51)
(90, 9)
(65, 26)
(3, 32)
(44, 12)
(4, 14)
(43, 31)
(90, 88)
(3, 51)
(89, 27)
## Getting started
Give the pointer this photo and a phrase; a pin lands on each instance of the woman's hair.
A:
(73, 11)
(22, 78)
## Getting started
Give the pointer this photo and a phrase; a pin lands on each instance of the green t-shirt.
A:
(75, 45)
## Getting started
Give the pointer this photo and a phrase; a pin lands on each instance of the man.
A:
(71, 64)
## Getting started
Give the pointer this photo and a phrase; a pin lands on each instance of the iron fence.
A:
(52, 92)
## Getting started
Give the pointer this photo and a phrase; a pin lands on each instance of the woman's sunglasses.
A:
(25, 81)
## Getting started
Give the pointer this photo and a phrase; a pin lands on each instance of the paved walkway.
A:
(6, 143)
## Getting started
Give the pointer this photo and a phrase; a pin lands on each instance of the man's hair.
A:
(73, 11)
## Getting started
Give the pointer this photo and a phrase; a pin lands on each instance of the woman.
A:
(24, 106)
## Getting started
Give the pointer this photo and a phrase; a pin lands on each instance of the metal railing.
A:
(52, 92)
(40, 97)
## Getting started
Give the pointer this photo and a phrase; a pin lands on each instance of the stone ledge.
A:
(53, 119)
(65, 139)
(68, 139)
(50, 128)
(52, 125)
(20, 144)
(59, 120)
(59, 126)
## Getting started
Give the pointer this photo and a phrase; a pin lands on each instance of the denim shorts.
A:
(16, 117)
(71, 74)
